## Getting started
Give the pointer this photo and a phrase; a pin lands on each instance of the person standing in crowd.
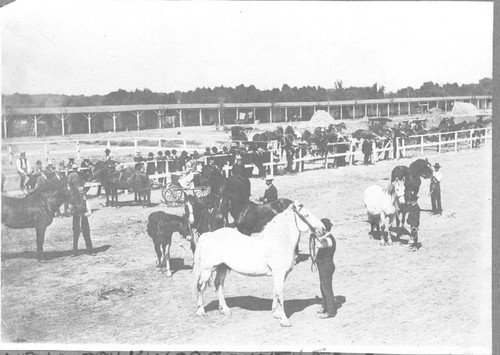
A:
(326, 268)
(215, 151)
(271, 193)
(289, 151)
(35, 172)
(139, 161)
(170, 161)
(160, 165)
(342, 148)
(175, 161)
(366, 148)
(22, 169)
(238, 168)
(80, 212)
(107, 153)
(150, 164)
(207, 152)
(435, 188)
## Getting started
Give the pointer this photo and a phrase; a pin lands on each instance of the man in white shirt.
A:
(436, 190)
(22, 169)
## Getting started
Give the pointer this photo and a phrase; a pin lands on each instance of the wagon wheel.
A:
(172, 195)
(202, 191)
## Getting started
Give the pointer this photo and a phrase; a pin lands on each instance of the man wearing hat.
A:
(22, 169)
(161, 165)
(435, 188)
(326, 268)
(139, 161)
(271, 194)
(151, 166)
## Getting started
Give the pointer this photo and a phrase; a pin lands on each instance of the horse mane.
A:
(390, 189)
(275, 224)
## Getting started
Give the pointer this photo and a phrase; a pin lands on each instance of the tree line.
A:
(244, 94)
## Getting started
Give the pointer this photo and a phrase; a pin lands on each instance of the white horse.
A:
(272, 253)
(382, 206)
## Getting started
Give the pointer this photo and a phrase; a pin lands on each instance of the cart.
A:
(173, 193)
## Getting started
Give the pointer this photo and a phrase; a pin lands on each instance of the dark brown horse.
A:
(202, 214)
(250, 217)
(126, 179)
(234, 187)
(419, 168)
(36, 210)
(160, 228)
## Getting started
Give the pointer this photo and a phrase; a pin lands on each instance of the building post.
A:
(36, 126)
(409, 108)
(300, 111)
(201, 118)
(218, 115)
(388, 110)
(377, 110)
(399, 108)
(77, 150)
(63, 118)
(354, 111)
(237, 114)
(341, 115)
(271, 114)
(366, 110)
(138, 120)
(286, 114)
(180, 118)
(4, 126)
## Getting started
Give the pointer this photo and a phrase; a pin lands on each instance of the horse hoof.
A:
(225, 311)
(276, 315)
(285, 323)
(169, 274)
(200, 312)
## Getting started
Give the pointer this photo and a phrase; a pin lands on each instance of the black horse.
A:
(160, 228)
(419, 168)
(37, 209)
(234, 187)
(250, 217)
(126, 179)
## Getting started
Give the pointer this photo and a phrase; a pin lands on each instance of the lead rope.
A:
(312, 239)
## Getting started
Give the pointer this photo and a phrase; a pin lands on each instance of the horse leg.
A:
(382, 229)
(279, 280)
(200, 286)
(40, 236)
(159, 255)
(167, 258)
(220, 276)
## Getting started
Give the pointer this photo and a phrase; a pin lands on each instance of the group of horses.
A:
(387, 205)
(219, 245)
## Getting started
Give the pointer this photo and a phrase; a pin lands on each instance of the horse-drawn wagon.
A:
(173, 193)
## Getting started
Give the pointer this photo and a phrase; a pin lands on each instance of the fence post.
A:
(404, 148)
(326, 157)
(159, 143)
(470, 138)
(11, 154)
(421, 145)
(398, 154)
(108, 145)
(135, 145)
(46, 152)
(439, 143)
(456, 142)
(77, 150)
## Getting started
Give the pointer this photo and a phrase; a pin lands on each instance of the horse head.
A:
(399, 189)
(189, 208)
(421, 167)
(311, 221)
(208, 172)
(185, 229)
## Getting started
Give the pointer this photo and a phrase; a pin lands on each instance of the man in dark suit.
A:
(271, 193)
(326, 268)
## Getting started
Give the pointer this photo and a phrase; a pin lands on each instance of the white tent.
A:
(321, 119)
(463, 111)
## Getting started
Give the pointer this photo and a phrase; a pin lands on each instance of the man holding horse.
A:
(80, 211)
(435, 188)
(326, 268)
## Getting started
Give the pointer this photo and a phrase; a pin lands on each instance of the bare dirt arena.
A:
(434, 299)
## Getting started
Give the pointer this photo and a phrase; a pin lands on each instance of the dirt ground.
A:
(390, 298)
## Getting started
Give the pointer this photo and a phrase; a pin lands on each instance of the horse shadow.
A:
(51, 255)
(252, 303)
(178, 264)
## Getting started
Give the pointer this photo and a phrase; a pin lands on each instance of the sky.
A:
(95, 47)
